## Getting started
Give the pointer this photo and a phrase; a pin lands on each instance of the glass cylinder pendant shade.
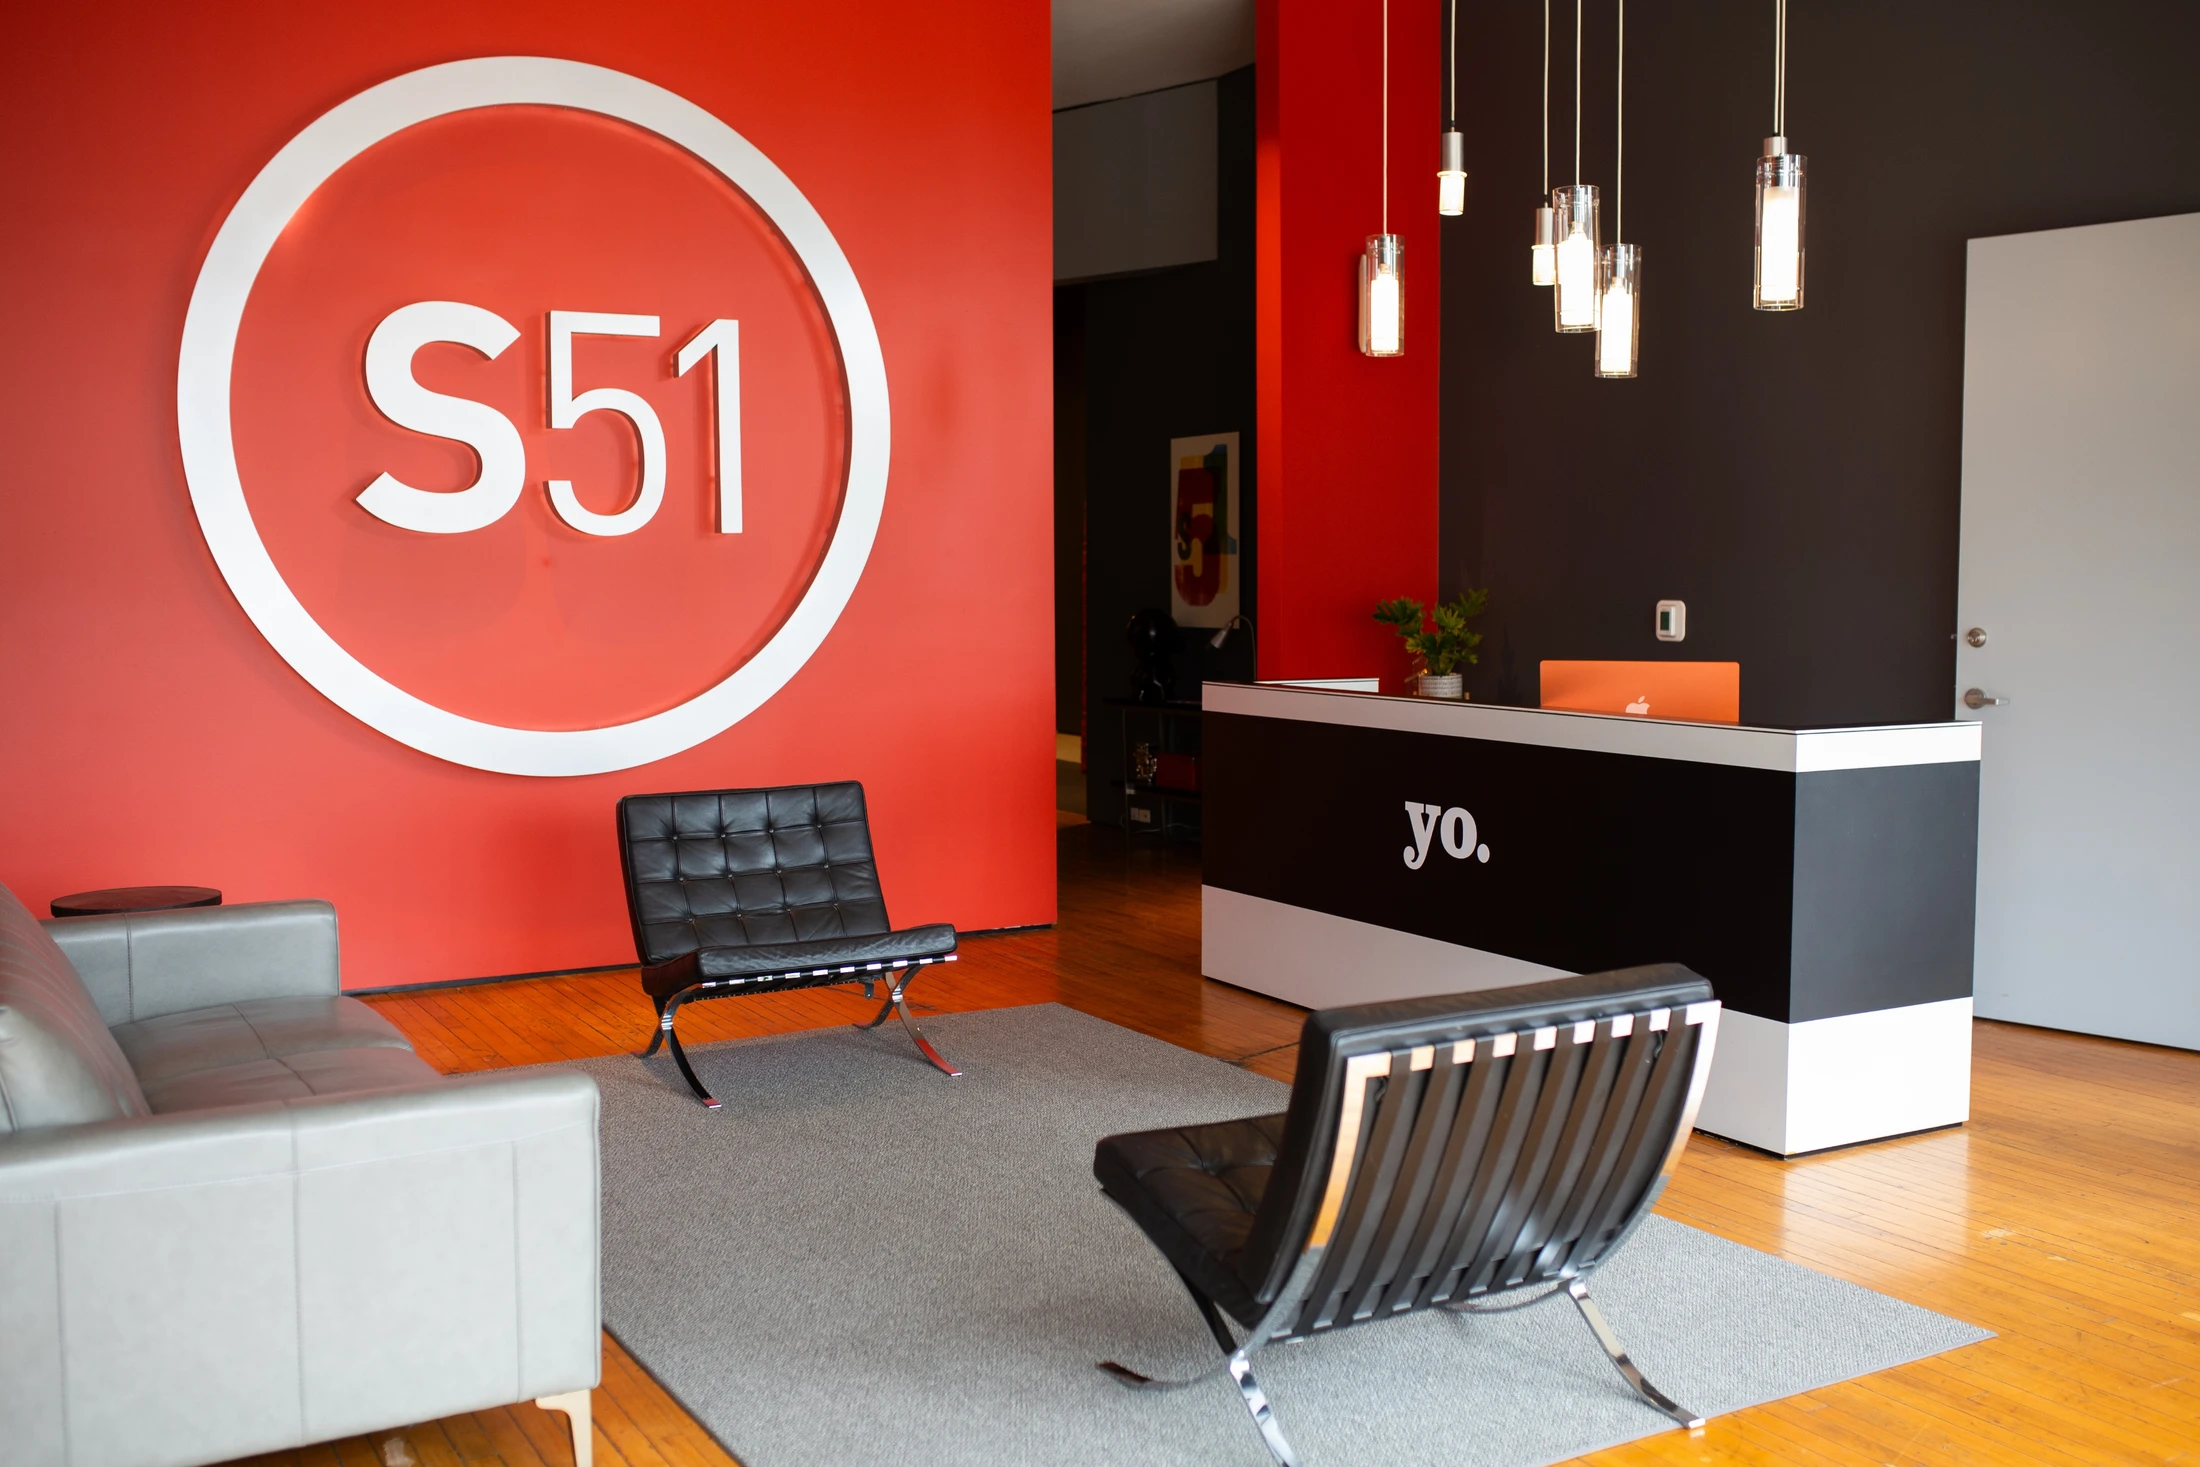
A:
(1543, 259)
(1779, 283)
(1619, 309)
(1574, 302)
(1451, 179)
(1383, 297)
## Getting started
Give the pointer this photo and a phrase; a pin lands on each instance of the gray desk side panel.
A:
(1886, 888)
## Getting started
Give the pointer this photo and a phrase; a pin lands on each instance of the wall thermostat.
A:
(1672, 620)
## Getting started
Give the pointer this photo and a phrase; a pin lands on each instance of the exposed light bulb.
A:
(1543, 255)
(1451, 179)
(1619, 324)
(1619, 310)
(1782, 245)
(1576, 270)
(1382, 297)
(1779, 282)
(1575, 301)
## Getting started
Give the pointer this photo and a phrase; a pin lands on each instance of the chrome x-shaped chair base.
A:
(1577, 1289)
(665, 1036)
(895, 1004)
(1238, 1356)
(1579, 1293)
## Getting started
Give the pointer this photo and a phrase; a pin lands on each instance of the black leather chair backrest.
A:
(1441, 1148)
(732, 868)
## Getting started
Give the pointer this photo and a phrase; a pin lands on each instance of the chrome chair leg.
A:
(1264, 1418)
(670, 1036)
(1239, 1364)
(895, 1004)
(883, 1010)
(909, 1023)
(1626, 1367)
(657, 1033)
(1237, 1360)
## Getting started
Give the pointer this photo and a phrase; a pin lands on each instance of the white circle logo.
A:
(203, 388)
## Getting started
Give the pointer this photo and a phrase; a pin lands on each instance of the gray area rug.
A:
(860, 1260)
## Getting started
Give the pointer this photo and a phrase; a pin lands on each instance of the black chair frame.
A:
(1441, 1150)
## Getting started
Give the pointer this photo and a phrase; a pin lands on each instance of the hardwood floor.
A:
(2062, 1217)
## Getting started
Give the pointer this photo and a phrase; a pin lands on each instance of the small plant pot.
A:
(1451, 685)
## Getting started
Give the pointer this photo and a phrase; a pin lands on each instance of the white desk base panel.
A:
(1322, 961)
(1791, 1088)
(1785, 1088)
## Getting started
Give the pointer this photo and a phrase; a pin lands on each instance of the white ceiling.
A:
(1114, 48)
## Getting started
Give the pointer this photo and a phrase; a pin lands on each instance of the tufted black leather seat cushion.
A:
(1195, 1190)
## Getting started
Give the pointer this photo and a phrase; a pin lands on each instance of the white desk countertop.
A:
(1796, 751)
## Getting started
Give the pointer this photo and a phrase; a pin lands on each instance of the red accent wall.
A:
(1347, 442)
(148, 734)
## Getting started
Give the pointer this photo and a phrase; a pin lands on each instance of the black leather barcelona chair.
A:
(1436, 1150)
(755, 891)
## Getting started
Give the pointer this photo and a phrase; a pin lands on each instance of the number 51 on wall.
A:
(492, 436)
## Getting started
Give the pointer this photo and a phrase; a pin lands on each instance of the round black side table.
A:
(134, 899)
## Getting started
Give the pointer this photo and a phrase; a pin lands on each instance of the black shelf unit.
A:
(1150, 808)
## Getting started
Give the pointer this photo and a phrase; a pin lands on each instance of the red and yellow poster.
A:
(1203, 529)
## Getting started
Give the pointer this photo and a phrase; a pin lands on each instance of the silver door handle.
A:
(1973, 698)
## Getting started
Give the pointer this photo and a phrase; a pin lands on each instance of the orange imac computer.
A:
(1694, 692)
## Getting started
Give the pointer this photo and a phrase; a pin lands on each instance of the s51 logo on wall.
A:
(533, 415)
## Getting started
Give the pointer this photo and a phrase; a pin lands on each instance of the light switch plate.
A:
(1672, 623)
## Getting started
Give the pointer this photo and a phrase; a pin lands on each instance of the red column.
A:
(1347, 443)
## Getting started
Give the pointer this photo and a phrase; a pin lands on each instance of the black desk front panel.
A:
(1799, 896)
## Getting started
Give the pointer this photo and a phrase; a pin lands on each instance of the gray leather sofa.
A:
(238, 1213)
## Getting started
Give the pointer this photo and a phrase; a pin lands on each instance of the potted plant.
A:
(1441, 645)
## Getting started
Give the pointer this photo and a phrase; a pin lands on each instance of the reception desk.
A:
(1361, 848)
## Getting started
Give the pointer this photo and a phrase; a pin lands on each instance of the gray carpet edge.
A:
(700, 1410)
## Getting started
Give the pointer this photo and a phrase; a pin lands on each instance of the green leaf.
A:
(1440, 648)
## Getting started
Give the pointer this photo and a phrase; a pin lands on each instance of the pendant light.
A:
(1543, 254)
(1451, 178)
(1619, 267)
(1779, 275)
(1382, 264)
(1574, 302)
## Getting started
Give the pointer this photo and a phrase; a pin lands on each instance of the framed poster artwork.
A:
(1204, 568)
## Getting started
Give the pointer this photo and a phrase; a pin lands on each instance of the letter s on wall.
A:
(405, 402)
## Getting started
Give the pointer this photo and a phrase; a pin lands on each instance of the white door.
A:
(2081, 570)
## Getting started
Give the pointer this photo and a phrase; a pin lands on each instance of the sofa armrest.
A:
(213, 1284)
(140, 965)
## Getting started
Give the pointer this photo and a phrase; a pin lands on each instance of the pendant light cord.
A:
(1577, 93)
(1546, 101)
(1779, 67)
(1619, 169)
(1451, 100)
(1386, 116)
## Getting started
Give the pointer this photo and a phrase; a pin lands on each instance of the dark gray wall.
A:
(1134, 183)
(1794, 478)
(1159, 356)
